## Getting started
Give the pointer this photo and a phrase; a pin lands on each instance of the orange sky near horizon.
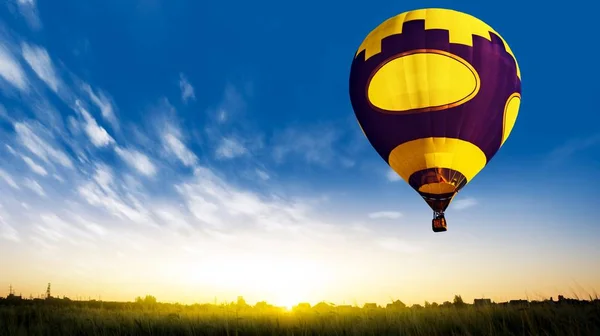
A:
(355, 275)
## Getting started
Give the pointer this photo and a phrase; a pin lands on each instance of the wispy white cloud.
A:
(73, 125)
(91, 226)
(36, 168)
(33, 141)
(230, 148)
(222, 116)
(4, 114)
(163, 131)
(6, 230)
(11, 150)
(232, 103)
(8, 179)
(572, 147)
(217, 204)
(47, 115)
(314, 144)
(11, 71)
(104, 103)
(96, 133)
(102, 191)
(392, 176)
(464, 203)
(263, 175)
(229, 133)
(174, 145)
(41, 63)
(331, 145)
(67, 228)
(34, 186)
(187, 90)
(385, 215)
(137, 160)
(29, 11)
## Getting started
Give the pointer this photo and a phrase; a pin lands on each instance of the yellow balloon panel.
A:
(423, 80)
(420, 154)
(511, 110)
(461, 28)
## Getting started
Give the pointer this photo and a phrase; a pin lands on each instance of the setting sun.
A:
(274, 278)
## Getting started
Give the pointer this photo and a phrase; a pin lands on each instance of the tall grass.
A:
(131, 319)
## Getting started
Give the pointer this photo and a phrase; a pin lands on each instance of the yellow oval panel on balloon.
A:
(422, 81)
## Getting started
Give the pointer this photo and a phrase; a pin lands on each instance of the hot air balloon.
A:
(436, 92)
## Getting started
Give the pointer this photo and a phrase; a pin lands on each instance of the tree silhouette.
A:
(458, 301)
(147, 300)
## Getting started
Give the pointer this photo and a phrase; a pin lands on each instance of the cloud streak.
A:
(30, 135)
(385, 215)
(34, 166)
(39, 60)
(315, 145)
(230, 148)
(102, 191)
(572, 147)
(463, 204)
(104, 103)
(11, 71)
(7, 232)
(187, 90)
(8, 179)
(29, 11)
(96, 133)
(34, 186)
(137, 160)
(392, 176)
(173, 143)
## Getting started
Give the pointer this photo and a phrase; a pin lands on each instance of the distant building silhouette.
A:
(520, 302)
(322, 306)
(396, 305)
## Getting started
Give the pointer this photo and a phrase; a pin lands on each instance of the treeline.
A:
(150, 302)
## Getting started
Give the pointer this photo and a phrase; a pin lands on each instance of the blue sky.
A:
(164, 147)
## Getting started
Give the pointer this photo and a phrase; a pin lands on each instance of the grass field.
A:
(111, 318)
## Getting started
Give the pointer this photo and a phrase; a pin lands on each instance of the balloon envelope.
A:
(437, 93)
